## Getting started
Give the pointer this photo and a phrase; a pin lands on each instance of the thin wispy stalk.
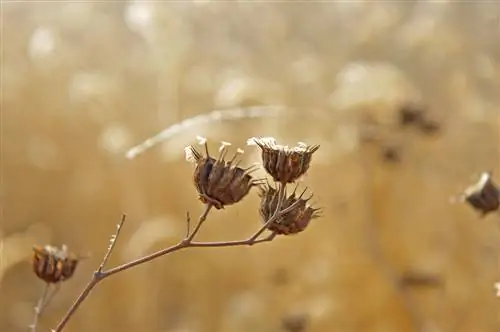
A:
(207, 118)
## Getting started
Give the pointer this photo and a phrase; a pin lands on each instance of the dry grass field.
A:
(82, 82)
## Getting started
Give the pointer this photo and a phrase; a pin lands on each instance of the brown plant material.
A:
(410, 114)
(413, 114)
(292, 222)
(483, 196)
(284, 164)
(52, 264)
(421, 280)
(391, 154)
(295, 322)
(429, 127)
(220, 182)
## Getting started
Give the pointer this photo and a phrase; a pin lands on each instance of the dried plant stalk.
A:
(188, 242)
(219, 182)
(214, 116)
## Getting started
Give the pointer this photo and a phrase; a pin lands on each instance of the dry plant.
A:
(219, 182)
(53, 265)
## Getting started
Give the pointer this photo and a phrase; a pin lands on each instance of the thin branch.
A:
(112, 243)
(187, 242)
(188, 224)
(98, 275)
(39, 307)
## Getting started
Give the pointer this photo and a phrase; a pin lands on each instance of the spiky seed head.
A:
(292, 222)
(218, 181)
(284, 164)
(483, 196)
(53, 264)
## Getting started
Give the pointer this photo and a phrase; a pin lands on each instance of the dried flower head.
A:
(292, 222)
(52, 264)
(220, 182)
(484, 195)
(284, 164)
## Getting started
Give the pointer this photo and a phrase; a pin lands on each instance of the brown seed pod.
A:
(292, 222)
(284, 164)
(484, 195)
(220, 182)
(52, 264)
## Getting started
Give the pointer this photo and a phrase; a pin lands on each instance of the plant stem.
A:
(39, 307)
(187, 242)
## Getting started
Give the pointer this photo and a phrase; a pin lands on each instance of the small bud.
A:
(292, 222)
(52, 264)
(220, 182)
(483, 196)
(284, 164)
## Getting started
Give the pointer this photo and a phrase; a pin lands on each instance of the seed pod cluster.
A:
(221, 182)
(285, 165)
(217, 181)
(292, 222)
(52, 264)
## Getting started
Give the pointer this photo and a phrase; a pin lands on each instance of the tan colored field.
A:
(82, 82)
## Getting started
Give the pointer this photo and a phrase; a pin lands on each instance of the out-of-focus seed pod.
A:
(52, 264)
(483, 196)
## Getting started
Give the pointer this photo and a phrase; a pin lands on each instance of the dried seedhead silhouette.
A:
(219, 182)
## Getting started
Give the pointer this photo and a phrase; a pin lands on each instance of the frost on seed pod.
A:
(484, 195)
(292, 222)
(52, 264)
(284, 164)
(220, 182)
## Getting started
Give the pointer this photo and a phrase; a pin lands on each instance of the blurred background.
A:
(84, 81)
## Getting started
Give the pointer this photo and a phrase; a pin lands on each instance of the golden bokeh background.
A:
(84, 81)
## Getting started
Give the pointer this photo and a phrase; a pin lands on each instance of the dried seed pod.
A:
(483, 196)
(284, 164)
(52, 264)
(220, 182)
(292, 222)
